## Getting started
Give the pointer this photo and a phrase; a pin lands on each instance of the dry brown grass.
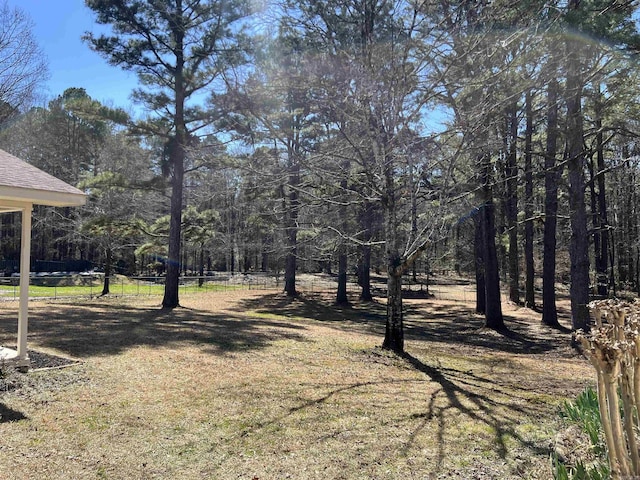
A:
(252, 385)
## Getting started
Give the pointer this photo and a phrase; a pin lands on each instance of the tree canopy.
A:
(397, 137)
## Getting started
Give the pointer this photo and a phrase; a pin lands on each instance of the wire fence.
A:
(92, 285)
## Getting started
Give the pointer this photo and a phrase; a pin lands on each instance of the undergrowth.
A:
(585, 413)
(9, 378)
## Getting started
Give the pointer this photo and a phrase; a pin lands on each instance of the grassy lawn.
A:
(117, 288)
(252, 385)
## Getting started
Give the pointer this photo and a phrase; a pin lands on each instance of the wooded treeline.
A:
(490, 139)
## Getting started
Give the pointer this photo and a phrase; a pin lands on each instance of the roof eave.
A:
(41, 197)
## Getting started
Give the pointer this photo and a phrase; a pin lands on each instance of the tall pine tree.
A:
(179, 49)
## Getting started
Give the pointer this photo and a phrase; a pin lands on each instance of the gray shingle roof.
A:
(20, 181)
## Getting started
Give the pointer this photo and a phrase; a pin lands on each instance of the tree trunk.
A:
(176, 151)
(246, 259)
(364, 272)
(172, 282)
(624, 223)
(394, 329)
(551, 175)
(493, 305)
(633, 229)
(291, 265)
(637, 270)
(264, 258)
(500, 223)
(107, 272)
(201, 267)
(478, 248)
(414, 213)
(511, 203)
(341, 295)
(529, 284)
(612, 270)
(601, 258)
(579, 244)
(291, 216)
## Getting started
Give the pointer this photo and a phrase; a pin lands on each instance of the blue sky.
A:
(58, 26)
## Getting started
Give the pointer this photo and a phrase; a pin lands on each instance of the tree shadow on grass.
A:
(9, 415)
(457, 324)
(450, 323)
(368, 316)
(103, 329)
(450, 393)
(474, 397)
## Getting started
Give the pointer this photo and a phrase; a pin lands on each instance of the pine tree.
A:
(179, 49)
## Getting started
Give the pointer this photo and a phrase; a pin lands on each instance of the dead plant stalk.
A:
(613, 348)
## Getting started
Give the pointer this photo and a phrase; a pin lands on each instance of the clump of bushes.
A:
(613, 348)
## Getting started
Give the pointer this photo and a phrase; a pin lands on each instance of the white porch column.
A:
(25, 267)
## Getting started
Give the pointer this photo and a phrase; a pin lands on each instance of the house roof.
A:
(22, 183)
